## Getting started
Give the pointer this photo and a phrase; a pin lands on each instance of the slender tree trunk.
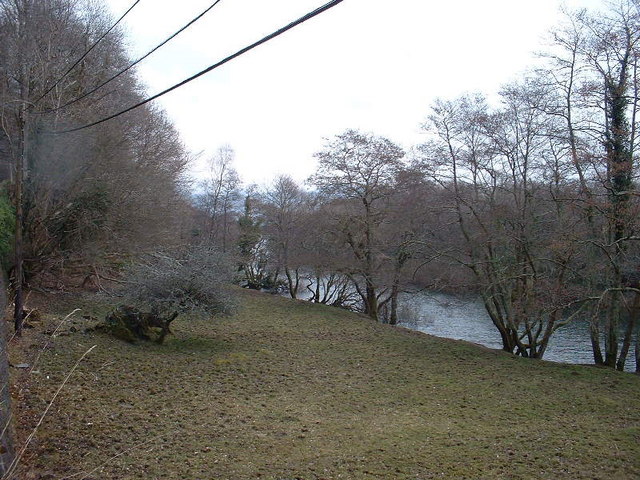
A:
(371, 299)
(594, 331)
(611, 334)
(393, 317)
(371, 296)
(317, 292)
(18, 316)
(293, 282)
(224, 227)
(628, 334)
(6, 431)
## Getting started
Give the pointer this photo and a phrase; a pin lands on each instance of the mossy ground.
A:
(290, 390)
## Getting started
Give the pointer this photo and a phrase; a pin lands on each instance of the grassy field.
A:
(289, 390)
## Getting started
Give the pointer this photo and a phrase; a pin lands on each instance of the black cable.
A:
(121, 72)
(271, 36)
(87, 52)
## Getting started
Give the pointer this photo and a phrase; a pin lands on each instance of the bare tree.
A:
(356, 172)
(594, 68)
(285, 208)
(517, 237)
(220, 193)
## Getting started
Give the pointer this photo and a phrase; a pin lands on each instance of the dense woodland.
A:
(528, 200)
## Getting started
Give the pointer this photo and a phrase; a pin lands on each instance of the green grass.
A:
(290, 390)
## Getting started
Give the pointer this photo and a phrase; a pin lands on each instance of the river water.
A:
(465, 318)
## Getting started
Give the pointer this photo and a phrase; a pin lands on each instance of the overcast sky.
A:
(373, 65)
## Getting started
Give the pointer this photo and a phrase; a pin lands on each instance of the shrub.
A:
(166, 285)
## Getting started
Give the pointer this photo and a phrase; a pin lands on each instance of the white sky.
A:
(373, 65)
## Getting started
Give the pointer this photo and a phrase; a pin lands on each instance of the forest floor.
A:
(290, 390)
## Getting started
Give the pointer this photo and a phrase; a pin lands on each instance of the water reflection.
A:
(464, 318)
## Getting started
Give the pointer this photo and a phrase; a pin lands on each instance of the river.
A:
(464, 318)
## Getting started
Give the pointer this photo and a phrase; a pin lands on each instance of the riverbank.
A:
(464, 317)
(287, 389)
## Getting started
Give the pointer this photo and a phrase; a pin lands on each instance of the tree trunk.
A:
(508, 344)
(6, 431)
(594, 331)
(611, 334)
(371, 300)
(317, 292)
(293, 282)
(620, 176)
(18, 315)
(393, 317)
(638, 352)
(628, 334)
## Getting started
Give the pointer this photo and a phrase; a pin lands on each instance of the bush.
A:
(166, 285)
(197, 279)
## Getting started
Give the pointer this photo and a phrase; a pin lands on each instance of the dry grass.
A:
(289, 390)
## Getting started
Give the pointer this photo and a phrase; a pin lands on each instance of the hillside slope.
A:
(287, 390)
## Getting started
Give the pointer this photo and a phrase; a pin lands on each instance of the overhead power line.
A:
(123, 71)
(271, 36)
(95, 44)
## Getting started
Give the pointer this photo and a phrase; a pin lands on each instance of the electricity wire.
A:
(121, 72)
(95, 44)
(271, 36)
